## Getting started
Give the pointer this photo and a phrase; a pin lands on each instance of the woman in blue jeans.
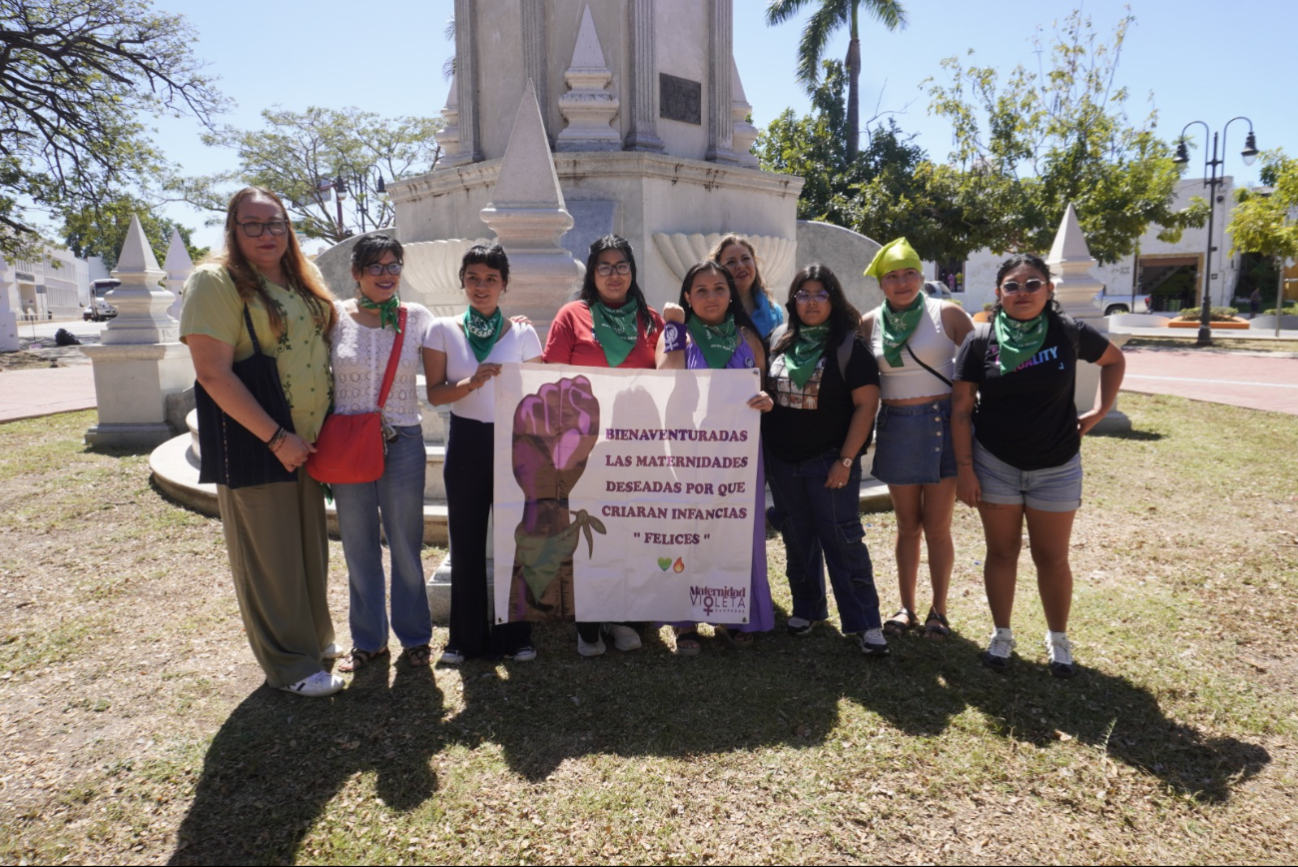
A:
(362, 344)
(826, 388)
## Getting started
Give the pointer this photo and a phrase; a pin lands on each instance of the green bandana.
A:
(541, 556)
(800, 359)
(616, 330)
(387, 311)
(893, 256)
(1018, 341)
(718, 342)
(898, 327)
(482, 331)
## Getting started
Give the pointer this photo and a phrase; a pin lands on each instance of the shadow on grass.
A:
(279, 760)
(1136, 435)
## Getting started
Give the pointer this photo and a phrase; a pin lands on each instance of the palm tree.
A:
(828, 17)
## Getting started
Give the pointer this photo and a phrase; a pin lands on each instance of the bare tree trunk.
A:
(853, 98)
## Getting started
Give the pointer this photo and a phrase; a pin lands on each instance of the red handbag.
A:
(351, 448)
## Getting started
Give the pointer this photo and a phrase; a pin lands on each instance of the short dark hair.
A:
(736, 307)
(369, 249)
(491, 255)
(844, 318)
(590, 294)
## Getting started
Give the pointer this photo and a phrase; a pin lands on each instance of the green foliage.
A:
(1261, 223)
(101, 231)
(1216, 314)
(75, 76)
(295, 151)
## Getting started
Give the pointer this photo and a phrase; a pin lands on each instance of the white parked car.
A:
(1113, 304)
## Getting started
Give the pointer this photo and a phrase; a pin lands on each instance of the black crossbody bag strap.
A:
(926, 367)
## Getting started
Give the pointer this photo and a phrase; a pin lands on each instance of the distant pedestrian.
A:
(1254, 303)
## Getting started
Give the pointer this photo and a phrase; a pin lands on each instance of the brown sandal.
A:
(936, 625)
(358, 659)
(418, 657)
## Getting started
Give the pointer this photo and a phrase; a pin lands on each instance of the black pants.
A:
(468, 472)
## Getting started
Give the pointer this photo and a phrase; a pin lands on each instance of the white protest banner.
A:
(624, 495)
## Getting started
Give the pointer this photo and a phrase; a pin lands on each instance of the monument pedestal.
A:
(132, 384)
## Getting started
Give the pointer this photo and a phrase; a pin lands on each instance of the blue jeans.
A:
(822, 524)
(398, 499)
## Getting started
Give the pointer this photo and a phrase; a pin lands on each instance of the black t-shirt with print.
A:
(806, 422)
(1027, 418)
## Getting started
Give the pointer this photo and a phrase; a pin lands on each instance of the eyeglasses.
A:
(253, 229)
(377, 269)
(1009, 287)
(802, 296)
(621, 269)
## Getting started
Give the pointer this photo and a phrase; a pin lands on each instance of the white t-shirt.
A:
(518, 344)
(360, 358)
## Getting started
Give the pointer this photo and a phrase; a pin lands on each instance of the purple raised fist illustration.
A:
(554, 433)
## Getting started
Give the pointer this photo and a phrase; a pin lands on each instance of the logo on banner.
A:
(728, 602)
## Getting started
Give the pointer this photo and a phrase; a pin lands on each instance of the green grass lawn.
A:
(137, 729)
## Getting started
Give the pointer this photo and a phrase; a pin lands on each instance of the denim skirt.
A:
(913, 444)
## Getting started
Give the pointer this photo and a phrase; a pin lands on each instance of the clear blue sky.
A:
(1201, 60)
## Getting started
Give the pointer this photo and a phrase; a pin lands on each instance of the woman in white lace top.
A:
(362, 345)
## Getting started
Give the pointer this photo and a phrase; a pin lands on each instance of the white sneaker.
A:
(799, 625)
(318, 685)
(451, 656)
(997, 655)
(1061, 654)
(591, 648)
(333, 651)
(523, 654)
(624, 637)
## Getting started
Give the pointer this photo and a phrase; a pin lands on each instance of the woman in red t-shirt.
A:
(609, 325)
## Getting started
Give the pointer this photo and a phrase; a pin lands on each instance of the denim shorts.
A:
(912, 444)
(1053, 489)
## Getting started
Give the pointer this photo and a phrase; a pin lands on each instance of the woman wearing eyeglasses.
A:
(735, 253)
(914, 339)
(1018, 444)
(274, 533)
(826, 388)
(609, 325)
(362, 346)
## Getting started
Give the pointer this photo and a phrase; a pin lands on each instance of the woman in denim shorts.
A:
(914, 340)
(1018, 442)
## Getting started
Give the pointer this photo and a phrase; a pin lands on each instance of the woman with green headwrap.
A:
(1018, 443)
(914, 340)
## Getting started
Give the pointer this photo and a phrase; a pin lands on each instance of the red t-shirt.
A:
(572, 340)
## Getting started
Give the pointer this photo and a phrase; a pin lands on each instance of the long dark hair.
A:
(590, 294)
(736, 307)
(1036, 263)
(843, 316)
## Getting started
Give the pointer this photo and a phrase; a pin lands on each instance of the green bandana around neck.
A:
(896, 328)
(617, 330)
(387, 311)
(482, 331)
(717, 342)
(801, 358)
(1018, 341)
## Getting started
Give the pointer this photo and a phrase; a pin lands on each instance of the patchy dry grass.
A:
(136, 728)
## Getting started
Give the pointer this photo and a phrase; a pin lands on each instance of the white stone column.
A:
(535, 64)
(178, 266)
(644, 79)
(8, 318)
(140, 361)
(466, 79)
(588, 107)
(528, 215)
(721, 128)
(745, 134)
(1070, 267)
(448, 137)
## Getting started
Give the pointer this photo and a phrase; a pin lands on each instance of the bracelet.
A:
(278, 438)
(278, 430)
(673, 337)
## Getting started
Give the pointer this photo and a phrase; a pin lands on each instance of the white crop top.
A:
(930, 343)
(519, 343)
(360, 358)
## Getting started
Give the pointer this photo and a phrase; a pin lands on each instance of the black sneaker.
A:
(872, 642)
(798, 626)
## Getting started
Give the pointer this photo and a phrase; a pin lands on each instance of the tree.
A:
(1265, 223)
(101, 231)
(831, 15)
(300, 156)
(1047, 138)
(75, 76)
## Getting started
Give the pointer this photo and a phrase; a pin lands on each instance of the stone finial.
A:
(528, 215)
(140, 301)
(745, 133)
(178, 266)
(448, 137)
(588, 107)
(1070, 265)
(1070, 244)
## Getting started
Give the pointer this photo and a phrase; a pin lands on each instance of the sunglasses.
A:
(1009, 287)
(802, 296)
(376, 270)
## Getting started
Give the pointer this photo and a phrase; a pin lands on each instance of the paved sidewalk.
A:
(32, 393)
(1266, 381)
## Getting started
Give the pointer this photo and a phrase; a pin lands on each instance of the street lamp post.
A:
(339, 186)
(1212, 180)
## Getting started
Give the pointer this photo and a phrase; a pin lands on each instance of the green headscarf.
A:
(896, 328)
(801, 358)
(1018, 341)
(616, 330)
(893, 256)
(387, 310)
(482, 332)
(717, 342)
